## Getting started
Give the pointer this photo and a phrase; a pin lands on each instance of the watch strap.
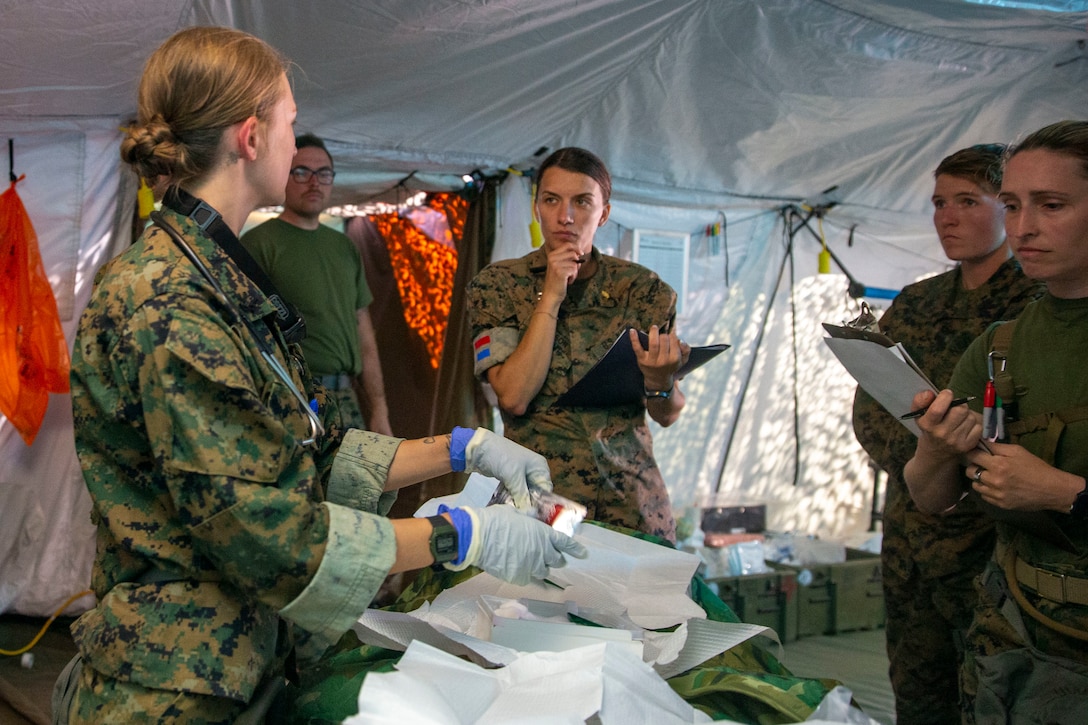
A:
(666, 394)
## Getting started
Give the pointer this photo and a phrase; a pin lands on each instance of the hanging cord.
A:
(402, 184)
(855, 289)
(796, 377)
(720, 229)
(45, 626)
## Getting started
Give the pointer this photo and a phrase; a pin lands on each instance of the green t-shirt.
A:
(1046, 361)
(319, 272)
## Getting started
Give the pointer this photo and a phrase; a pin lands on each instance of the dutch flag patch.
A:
(483, 347)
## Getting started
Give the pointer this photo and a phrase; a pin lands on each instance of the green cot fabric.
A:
(746, 684)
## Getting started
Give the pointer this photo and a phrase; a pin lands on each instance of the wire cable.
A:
(41, 632)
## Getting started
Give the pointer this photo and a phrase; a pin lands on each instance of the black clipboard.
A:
(845, 332)
(616, 380)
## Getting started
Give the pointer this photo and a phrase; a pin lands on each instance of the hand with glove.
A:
(482, 451)
(508, 544)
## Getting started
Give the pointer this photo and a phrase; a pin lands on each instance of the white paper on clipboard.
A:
(886, 373)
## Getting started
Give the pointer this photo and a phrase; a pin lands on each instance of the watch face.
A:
(443, 540)
(445, 543)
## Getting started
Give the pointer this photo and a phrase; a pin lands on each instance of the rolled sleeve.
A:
(491, 347)
(360, 469)
(359, 553)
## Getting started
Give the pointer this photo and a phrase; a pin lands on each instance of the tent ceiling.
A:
(703, 102)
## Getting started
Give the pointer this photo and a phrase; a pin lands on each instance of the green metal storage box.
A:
(768, 599)
(839, 597)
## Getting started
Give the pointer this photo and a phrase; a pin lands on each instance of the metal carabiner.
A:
(990, 363)
(316, 429)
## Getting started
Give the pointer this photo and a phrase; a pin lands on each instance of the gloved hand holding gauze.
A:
(492, 455)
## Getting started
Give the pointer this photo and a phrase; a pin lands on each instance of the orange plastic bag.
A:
(33, 353)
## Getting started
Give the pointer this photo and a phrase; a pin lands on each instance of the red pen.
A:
(989, 422)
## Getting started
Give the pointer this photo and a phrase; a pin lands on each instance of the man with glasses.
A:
(319, 271)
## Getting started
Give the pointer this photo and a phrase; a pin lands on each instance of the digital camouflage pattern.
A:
(599, 457)
(350, 412)
(215, 528)
(131, 704)
(1033, 673)
(929, 562)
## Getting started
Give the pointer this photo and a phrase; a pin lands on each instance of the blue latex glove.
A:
(515, 466)
(515, 547)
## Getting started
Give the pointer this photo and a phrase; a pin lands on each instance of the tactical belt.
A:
(335, 382)
(1059, 588)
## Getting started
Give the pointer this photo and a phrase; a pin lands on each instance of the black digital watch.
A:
(443, 539)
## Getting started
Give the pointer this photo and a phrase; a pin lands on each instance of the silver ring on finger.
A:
(977, 478)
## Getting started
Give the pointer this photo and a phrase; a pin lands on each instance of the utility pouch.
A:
(64, 691)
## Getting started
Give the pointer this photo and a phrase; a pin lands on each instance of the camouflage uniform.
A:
(1020, 670)
(929, 562)
(600, 457)
(221, 540)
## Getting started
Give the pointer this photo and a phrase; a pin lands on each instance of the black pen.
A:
(922, 411)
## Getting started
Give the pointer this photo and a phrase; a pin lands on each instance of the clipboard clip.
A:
(865, 321)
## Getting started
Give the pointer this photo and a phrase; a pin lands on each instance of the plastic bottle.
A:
(556, 511)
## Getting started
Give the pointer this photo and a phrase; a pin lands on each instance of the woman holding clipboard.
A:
(540, 323)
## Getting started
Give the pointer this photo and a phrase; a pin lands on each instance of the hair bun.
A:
(152, 148)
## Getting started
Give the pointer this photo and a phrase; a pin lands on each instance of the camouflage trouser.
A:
(925, 622)
(82, 695)
(607, 466)
(1016, 669)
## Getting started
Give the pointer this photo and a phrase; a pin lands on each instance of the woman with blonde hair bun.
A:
(240, 529)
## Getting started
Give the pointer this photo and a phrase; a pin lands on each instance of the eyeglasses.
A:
(303, 174)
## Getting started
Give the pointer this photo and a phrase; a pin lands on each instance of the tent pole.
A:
(793, 349)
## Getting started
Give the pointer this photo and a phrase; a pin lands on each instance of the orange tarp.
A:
(424, 269)
(33, 354)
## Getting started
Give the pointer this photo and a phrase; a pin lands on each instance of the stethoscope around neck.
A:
(316, 429)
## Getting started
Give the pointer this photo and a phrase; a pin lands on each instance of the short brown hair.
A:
(981, 164)
(195, 85)
(309, 140)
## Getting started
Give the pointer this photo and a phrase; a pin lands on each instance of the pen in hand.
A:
(922, 411)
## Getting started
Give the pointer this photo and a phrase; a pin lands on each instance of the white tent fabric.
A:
(704, 110)
(70, 191)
